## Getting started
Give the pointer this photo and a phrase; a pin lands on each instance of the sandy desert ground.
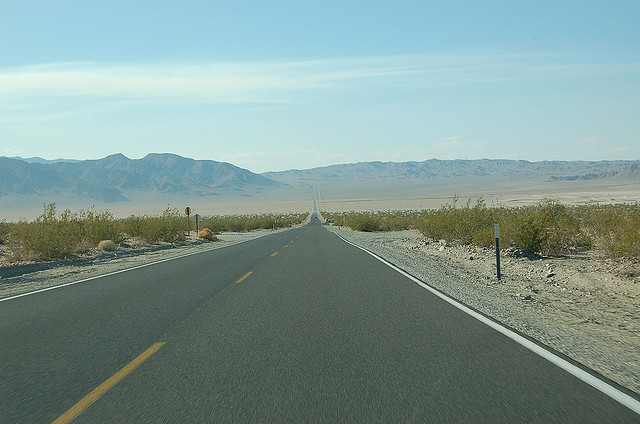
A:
(572, 193)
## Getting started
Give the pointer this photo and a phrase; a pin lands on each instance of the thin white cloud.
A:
(448, 143)
(271, 82)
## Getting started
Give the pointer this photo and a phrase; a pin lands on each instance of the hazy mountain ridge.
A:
(166, 177)
(630, 173)
(109, 179)
(36, 159)
(446, 169)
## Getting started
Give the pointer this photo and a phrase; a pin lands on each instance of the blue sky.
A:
(286, 84)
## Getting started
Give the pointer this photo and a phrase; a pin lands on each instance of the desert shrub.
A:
(168, 227)
(528, 233)
(616, 227)
(466, 225)
(48, 237)
(207, 234)
(243, 223)
(560, 229)
(53, 235)
(376, 220)
(548, 227)
(365, 222)
(4, 231)
(107, 245)
(96, 226)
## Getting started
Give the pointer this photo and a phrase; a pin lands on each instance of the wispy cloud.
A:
(272, 82)
(448, 143)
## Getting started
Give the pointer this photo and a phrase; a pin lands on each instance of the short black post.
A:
(497, 228)
(187, 211)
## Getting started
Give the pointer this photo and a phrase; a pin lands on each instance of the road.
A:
(296, 326)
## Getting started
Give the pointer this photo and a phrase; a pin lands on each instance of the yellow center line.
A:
(274, 254)
(104, 387)
(244, 276)
(286, 246)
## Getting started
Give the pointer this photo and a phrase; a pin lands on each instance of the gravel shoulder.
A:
(26, 277)
(584, 306)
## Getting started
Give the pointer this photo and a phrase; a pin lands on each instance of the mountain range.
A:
(117, 178)
(110, 179)
(448, 169)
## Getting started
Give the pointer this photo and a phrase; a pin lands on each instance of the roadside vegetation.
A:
(57, 235)
(547, 228)
(242, 223)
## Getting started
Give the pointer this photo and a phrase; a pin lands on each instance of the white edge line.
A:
(128, 269)
(591, 380)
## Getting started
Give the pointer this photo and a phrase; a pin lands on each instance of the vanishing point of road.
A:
(295, 326)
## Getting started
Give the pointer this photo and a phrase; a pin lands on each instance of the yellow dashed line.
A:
(274, 254)
(102, 389)
(244, 276)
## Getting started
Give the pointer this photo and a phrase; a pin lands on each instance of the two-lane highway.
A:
(294, 326)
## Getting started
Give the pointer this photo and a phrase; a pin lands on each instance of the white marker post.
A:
(497, 228)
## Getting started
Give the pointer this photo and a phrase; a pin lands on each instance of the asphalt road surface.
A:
(297, 326)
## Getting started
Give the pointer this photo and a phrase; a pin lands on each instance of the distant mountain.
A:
(448, 169)
(166, 178)
(628, 174)
(631, 173)
(113, 178)
(36, 159)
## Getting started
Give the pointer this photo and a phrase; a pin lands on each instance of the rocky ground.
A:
(583, 306)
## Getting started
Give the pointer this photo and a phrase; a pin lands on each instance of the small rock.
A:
(551, 274)
(441, 248)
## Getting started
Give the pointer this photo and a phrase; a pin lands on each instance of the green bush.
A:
(169, 227)
(617, 228)
(376, 220)
(549, 227)
(53, 235)
(362, 222)
(528, 233)
(467, 225)
(558, 229)
(243, 223)
(4, 231)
